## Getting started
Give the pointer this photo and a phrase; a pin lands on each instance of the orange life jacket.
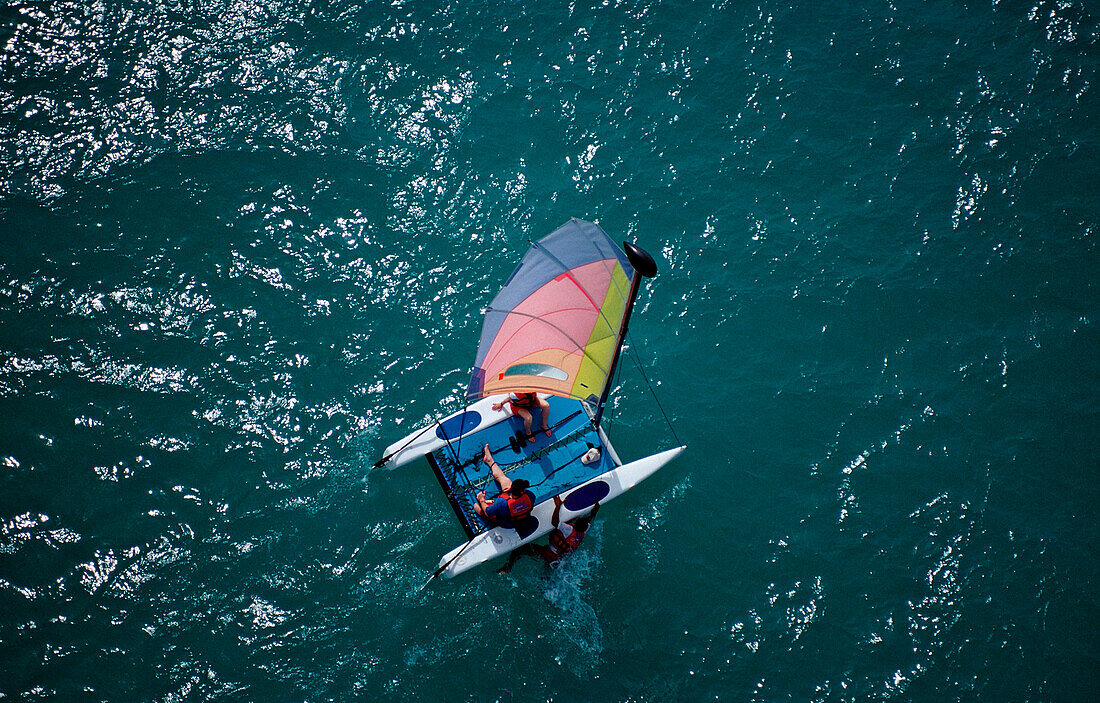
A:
(563, 545)
(525, 401)
(518, 507)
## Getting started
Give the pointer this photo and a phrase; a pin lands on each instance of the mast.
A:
(644, 266)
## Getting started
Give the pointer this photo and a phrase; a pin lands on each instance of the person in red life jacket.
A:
(522, 404)
(512, 504)
(563, 539)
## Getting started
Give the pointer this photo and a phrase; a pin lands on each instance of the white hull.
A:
(500, 540)
(426, 440)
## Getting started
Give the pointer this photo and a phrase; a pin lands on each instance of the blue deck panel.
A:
(550, 464)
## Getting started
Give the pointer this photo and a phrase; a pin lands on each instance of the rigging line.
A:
(638, 363)
(462, 496)
(440, 570)
(434, 423)
(462, 468)
(462, 429)
(613, 383)
(481, 482)
(545, 450)
(579, 456)
(475, 459)
(447, 441)
(387, 457)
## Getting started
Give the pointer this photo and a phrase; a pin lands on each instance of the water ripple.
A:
(247, 244)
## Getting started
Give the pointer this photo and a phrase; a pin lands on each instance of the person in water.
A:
(512, 504)
(522, 404)
(563, 539)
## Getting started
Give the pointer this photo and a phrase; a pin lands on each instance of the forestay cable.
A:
(638, 363)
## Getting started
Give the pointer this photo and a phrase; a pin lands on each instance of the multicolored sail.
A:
(557, 323)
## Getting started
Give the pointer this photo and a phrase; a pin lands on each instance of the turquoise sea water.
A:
(246, 246)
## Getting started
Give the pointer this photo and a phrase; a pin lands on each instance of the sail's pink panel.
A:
(555, 325)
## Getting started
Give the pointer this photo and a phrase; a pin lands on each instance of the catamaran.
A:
(556, 328)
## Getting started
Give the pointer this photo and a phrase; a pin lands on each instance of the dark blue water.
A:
(246, 245)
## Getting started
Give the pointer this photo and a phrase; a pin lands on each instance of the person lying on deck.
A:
(522, 404)
(514, 502)
(563, 540)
